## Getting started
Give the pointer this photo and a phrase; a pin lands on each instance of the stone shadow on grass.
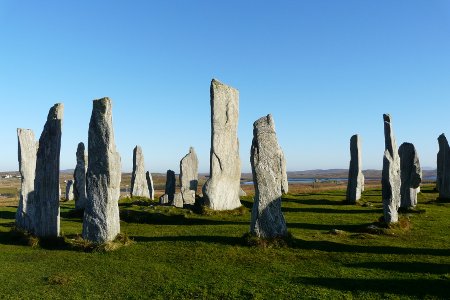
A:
(223, 240)
(7, 215)
(405, 267)
(406, 287)
(320, 210)
(315, 201)
(353, 228)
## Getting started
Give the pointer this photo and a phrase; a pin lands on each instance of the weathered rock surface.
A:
(79, 175)
(443, 168)
(101, 221)
(411, 175)
(69, 190)
(164, 199)
(27, 168)
(171, 182)
(178, 200)
(189, 177)
(391, 174)
(221, 191)
(355, 185)
(151, 189)
(139, 186)
(270, 180)
(46, 183)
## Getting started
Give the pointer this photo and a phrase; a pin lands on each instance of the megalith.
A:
(169, 194)
(270, 180)
(46, 183)
(101, 222)
(443, 168)
(411, 175)
(69, 190)
(391, 174)
(139, 186)
(27, 149)
(355, 185)
(79, 175)
(221, 191)
(189, 177)
(151, 188)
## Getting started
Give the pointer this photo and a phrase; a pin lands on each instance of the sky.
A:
(324, 69)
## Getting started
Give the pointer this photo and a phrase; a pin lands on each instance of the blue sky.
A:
(325, 70)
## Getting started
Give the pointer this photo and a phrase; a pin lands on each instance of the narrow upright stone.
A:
(27, 168)
(46, 183)
(270, 181)
(139, 186)
(355, 185)
(391, 174)
(79, 175)
(151, 188)
(221, 191)
(101, 221)
(411, 175)
(443, 168)
(171, 183)
(189, 177)
(69, 190)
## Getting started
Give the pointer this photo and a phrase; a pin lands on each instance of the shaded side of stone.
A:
(355, 185)
(411, 175)
(79, 175)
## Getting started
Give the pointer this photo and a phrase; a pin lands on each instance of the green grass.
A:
(179, 254)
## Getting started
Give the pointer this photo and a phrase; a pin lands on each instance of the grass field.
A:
(179, 254)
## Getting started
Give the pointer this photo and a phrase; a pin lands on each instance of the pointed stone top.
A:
(217, 84)
(81, 147)
(56, 112)
(191, 150)
(387, 118)
(442, 137)
(138, 148)
(265, 124)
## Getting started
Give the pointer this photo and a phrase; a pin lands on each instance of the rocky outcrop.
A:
(270, 181)
(101, 222)
(189, 177)
(221, 191)
(46, 183)
(411, 175)
(69, 190)
(139, 186)
(391, 174)
(355, 185)
(79, 175)
(443, 168)
(27, 168)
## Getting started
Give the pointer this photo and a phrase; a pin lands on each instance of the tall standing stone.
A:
(355, 185)
(69, 190)
(391, 174)
(79, 175)
(189, 177)
(101, 221)
(171, 182)
(221, 191)
(411, 175)
(139, 186)
(270, 180)
(151, 188)
(46, 183)
(27, 168)
(443, 168)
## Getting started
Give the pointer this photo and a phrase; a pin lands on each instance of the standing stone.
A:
(221, 191)
(151, 188)
(189, 177)
(391, 174)
(27, 168)
(171, 182)
(79, 175)
(443, 168)
(411, 175)
(139, 186)
(270, 181)
(46, 183)
(69, 190)
(101, 221)
(355, 185)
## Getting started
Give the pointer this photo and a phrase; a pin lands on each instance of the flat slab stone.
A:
(221, 191)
